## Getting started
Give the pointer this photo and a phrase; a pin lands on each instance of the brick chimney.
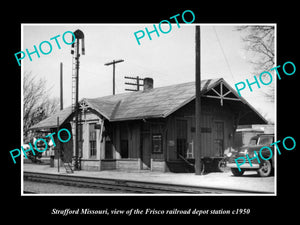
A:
(148, 83)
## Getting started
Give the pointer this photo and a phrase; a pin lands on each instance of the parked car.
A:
(265, 167)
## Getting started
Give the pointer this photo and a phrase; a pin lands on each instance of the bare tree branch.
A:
(259, 43)
(36, 102)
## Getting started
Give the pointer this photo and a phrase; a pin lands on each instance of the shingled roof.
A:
(51, 121)
(155, 103)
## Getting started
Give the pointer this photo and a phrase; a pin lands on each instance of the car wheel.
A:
(265, 169)
(222, 165)
(236, 172)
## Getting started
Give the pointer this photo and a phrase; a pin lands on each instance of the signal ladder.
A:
(74, 77)
(75, 85)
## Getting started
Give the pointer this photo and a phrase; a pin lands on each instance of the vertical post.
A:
(138, 83)
(114, 79)
(198, 150)
(76, 108)
(58, 146)
(78, 35)
(61, 86)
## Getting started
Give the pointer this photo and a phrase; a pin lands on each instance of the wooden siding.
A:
(130, 132)
(211, 112)
(138, 131)
(157, 128)
(139, 135)
(87, 119)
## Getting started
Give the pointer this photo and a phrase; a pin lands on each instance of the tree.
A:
(260, 45)
(36, 103)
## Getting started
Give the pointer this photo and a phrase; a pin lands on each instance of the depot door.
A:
(146, 151)
(218, 136)
(145, 146)
(181, 138)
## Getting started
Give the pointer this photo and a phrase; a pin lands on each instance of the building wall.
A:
(158, 165)
(139, 136)
(108, 164)
(101, 161)
(128, 164)
(120, 164)
(127, 130)
(89, 162)
(63, 150)
(212, 113)
(138, 133)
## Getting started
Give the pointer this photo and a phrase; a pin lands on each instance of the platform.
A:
(250, 181)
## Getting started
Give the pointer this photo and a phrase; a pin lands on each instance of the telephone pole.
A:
(198, 150)
(137, 84)
(114, 79)
(61, 86)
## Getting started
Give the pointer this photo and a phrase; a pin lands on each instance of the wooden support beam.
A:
(217, 97)
(221, 90)
(221, 96)
(227, 93)
(216, 92)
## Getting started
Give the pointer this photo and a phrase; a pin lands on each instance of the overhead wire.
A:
(223, 52)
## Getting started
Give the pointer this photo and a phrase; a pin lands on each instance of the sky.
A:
(168, 59)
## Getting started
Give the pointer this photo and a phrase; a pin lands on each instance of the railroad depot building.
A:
(154, 128)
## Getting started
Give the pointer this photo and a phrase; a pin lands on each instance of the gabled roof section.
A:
(51, 121)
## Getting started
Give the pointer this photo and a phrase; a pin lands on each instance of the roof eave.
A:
(138, 118)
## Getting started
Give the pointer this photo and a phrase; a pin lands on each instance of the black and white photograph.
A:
(116, 114)
(129, 113)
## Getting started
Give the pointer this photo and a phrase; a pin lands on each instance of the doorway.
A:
(181, 138)
(219, 138)
(146, 152)
(145, 147)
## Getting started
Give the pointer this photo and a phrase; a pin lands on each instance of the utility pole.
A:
(198, 150)
(137, 84)
(114, 79)
(58, 147)
(61, 86)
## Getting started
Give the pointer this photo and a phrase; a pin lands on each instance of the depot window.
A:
(92, 137)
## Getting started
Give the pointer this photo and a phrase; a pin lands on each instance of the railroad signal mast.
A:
(75, 88)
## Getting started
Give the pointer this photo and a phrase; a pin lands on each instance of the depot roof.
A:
(158, 103)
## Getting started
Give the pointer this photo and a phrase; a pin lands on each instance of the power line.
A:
(82, 69)
(223, 52)
(149, 70)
